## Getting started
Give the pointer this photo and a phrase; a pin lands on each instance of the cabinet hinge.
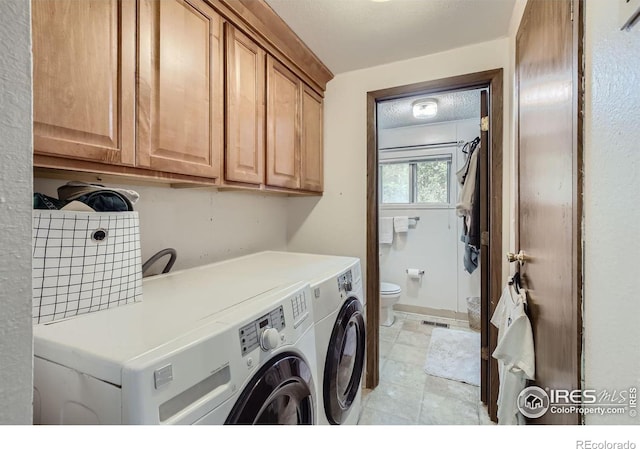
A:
(484, 353)
(484, 123)
(484, 238)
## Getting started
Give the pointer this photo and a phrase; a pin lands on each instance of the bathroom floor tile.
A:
(413, 316)
(414, 339)
(397, 323)
(417, 326)
(404, 374)
(408, 354)
(385, 347)
(458, 391)
(388, 333)
(374, 417)
(406, 394)
(395, 400)
(439, 409)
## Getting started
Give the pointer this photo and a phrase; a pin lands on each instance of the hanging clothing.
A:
(468, 205)
(471, 255)
(514, 352)
(465, 197)
(474, 216)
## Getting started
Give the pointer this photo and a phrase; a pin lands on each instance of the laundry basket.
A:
(473, 312)
(84, 262)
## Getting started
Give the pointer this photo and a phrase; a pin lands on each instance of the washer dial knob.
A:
(269, 339)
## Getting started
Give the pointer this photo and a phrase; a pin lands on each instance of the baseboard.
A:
(429, 311)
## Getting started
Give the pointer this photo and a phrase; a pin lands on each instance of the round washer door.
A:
(345, 361)
(279, 393)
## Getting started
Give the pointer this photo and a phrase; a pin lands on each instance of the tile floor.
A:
(406, 394)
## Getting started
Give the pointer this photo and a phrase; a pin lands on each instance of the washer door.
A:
(279, 393)
(345, 361)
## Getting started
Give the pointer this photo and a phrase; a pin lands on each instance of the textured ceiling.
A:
(353, 34)
(451, 106)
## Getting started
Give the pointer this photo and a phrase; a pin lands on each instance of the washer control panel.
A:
(250, 334)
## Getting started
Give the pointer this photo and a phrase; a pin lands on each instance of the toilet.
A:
(389, 295)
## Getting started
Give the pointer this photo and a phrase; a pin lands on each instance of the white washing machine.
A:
(204, 347)
(339, 310)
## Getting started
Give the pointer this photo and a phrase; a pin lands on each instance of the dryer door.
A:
(345, 361)
(280, 393)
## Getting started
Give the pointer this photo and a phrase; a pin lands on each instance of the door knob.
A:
(520, 257)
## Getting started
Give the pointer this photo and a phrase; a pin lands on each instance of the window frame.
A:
(396, 157)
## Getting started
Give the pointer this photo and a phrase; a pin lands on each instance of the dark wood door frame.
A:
(491, 274)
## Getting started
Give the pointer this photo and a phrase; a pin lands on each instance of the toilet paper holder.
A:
(420, 272)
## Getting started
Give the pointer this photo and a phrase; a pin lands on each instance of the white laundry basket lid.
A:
(387, 288)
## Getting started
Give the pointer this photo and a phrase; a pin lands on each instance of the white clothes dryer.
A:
(339, 310)
(200, 348)
(340, 345)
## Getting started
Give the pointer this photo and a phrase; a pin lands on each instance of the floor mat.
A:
(454, 354)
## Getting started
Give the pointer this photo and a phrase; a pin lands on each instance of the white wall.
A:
(611, 205)
(203, 225)
(16, 387)
(433, 245)
(336, 223)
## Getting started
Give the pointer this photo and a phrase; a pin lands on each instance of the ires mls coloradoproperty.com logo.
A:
(534, 402)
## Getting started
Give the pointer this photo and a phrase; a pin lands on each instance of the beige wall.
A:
(202, 225)
(336, 223)
(611, 205)
(16, 389)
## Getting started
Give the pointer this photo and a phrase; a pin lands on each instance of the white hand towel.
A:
(385, 229)
(401, 224)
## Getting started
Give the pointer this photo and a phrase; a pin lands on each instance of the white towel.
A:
(401, 224)
(385, 229)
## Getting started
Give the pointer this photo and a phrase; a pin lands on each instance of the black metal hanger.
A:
(516, 282)
(470, 146)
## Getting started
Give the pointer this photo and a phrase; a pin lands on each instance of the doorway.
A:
(490, 186)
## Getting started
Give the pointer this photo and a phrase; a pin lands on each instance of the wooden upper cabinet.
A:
(180, 100)
(283, 126)
(84, 79)
(245, 108)
(311, 141)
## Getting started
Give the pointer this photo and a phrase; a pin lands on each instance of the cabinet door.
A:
(246, 86)
(84, 79)
(180, 105)
(283, 134)
(311, 151)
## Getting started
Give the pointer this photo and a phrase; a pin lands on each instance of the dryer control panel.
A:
(345, 281)
(250, 333)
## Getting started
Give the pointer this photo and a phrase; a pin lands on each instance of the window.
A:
(419, 181)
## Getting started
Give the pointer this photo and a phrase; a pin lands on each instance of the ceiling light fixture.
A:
(425, 108)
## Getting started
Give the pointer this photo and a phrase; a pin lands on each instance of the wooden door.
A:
(311, 168)
(245, 119)
(549, 206)
(84, 79)
(283, 133)
(181, 103)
